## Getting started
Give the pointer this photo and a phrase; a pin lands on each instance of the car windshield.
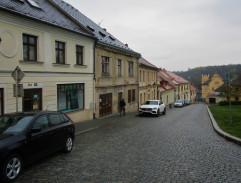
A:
(179, 101)
(14, 124)
(151, 103)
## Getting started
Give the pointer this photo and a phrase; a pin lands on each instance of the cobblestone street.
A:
(180, 146)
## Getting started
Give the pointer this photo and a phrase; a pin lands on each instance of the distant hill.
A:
(195, 75)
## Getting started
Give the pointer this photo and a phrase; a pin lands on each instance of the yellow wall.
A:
(168, 97)
(114, 83)
(44, 73)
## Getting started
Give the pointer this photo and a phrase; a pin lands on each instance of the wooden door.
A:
(105, 104)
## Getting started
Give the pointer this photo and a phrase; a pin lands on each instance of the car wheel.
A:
(164, 111)
(11, 168)
(68, 144)
(158, 113)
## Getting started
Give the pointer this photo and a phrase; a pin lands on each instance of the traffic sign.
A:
(18, 74)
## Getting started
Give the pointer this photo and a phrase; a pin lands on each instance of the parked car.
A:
(179, 103)
(26, 137)
(187, 102)
(153, 107)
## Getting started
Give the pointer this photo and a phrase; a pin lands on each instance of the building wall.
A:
(147, 84)
(168, 97)
(45, 73)
(184, 91)
(236, 93)
(112, 82)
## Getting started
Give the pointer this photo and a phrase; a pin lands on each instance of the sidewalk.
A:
(86, 126)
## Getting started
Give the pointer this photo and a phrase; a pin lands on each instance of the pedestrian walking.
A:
(122, 106)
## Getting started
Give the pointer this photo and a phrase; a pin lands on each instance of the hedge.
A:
(222, 103)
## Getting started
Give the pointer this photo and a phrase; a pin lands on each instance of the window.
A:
(60, 52)
(133, 95)
(29, 48)
(129, 96)
(140, 76)
(105, 65)
(79, 55)
(143, 75)
(70, 96)
(130, 70)
(237, 89)
(56, 119)
(119, 67)
(1, 101)
(42, 122)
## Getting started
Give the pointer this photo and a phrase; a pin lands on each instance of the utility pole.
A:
(229, 88)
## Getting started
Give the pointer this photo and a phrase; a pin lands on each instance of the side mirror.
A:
(35, 130)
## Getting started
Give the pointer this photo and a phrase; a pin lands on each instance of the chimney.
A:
(126, 45)
(104, 29)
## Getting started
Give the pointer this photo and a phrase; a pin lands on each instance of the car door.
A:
(40, 138)
(161, 106)
(59, 128)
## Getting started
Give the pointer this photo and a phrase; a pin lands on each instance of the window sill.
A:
(83, 66)
(57, 64)
(30, 62)
(72, 110)
(105, 74)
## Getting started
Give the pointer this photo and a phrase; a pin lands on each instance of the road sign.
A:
(228, 88)
(20, 90)
(18, 74)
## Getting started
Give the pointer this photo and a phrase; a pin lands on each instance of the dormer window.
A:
(112, 38)
(102, 34)
(34, 4)
(90, 28)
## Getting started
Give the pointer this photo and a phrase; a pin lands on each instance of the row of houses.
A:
(73, 65)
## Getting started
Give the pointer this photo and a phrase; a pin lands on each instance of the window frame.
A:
(133, 95)
(58, 50)
(131, 69)
(79, 54)
(105, 65)
(28, 44)
(129, 96)
(119, 69)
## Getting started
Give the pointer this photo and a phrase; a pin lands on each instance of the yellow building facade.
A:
(148, 86)
(209, 85)
(47, 54)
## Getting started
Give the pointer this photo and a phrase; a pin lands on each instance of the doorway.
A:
(32, 100)
(119, 99)
(105, 104)
(1, 101)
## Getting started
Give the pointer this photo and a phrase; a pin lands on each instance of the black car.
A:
(26, 137)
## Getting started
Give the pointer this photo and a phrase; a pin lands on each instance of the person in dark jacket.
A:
(122, 107)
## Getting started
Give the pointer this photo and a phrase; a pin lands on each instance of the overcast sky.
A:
(172, 34)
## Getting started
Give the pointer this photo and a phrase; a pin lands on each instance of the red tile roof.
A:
(173, 77)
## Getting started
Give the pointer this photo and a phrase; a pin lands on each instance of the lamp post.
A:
(154, 85)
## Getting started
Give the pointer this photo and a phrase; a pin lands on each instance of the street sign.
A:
(20, 90)
(228, 88)
(18, 74)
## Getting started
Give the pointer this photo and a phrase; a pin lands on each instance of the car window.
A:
(65, 117)
(42, 122)
(16, 124)
(56, 119)
(151, 103)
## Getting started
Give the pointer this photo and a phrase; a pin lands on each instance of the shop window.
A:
(70, 96)
(32, 100)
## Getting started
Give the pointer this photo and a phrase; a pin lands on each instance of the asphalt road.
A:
(180, 146)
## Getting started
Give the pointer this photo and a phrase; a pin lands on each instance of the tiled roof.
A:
(101, 34)
(145, 62)
(47, 12)
(193, 88)
(175, 79)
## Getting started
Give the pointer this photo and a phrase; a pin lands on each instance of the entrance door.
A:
(32, 100)
(119, 99)
(1, 101)
(105, 105)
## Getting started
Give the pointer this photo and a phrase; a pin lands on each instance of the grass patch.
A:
(222, 117)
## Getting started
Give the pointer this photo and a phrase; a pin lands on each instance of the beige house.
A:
(193, 94)
(148, 88)
(56, 54)
(115, 66)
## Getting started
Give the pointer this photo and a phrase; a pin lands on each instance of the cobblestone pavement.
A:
(178, 147)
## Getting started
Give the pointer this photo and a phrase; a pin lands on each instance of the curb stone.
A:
(221, 132)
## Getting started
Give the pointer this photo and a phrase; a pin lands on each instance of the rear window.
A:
(14, 124)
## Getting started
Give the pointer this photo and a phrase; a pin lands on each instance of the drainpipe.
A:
(94, 81)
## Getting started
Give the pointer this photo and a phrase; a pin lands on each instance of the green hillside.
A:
(195, 75)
